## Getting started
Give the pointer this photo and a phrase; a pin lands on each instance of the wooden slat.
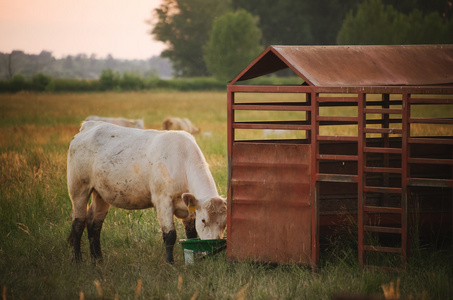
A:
(430, 161)
(337, 104)
(437, 141)
(259, 183)
(428, 182)
(337, 99)
(336, 178)
(430, 101)
(382, 150)
(258, 202)
(383, 170)
(337, 157)
(266, 164)
(274, 106)
(272, 125)
(384, 130)
(431, 120)
(334, 123)
(441, 90)
(382, 209)
(269, 88)
(379, 189)
(383, 111)
(337, 138)
(382, 229)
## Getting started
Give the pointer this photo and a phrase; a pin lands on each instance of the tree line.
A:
(79, 66)
(109, 80)
(220, 38)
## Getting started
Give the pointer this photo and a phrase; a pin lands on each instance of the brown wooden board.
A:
(270, 208)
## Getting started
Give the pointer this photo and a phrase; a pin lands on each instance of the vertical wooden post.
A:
(361, 161)
(386, 139)
(404, 176)
(314, 186)
(230, 137)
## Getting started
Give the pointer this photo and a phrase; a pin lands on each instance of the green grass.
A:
(35, 261)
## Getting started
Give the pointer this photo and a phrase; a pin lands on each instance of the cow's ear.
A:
(190, 201)
(166, 124)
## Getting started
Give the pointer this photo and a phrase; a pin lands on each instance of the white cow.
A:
(173, 123)
(134, 123)
(136, 169)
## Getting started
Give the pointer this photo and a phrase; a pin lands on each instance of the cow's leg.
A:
(189, 226)
(77, 228)
(79, 198)
(96, 214)
(164, 209)
(169, 241)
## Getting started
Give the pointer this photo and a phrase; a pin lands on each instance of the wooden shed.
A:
(366, 135)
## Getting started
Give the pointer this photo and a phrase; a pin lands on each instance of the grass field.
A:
(35, 260)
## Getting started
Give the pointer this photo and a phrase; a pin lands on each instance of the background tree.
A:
(284, 22)
(430, 28)
(184, 25)
(40, 81)
(6, 64)
(377, 23)
(43, 61)
(444, 8)
(233, 43)
(372, 24)
(80, 66)
(298, 22)
(109, 79)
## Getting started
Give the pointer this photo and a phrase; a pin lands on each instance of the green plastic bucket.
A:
(196, 249)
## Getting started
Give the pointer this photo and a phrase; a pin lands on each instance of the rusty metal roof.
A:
(401, 65)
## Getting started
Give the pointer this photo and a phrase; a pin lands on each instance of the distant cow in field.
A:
(173, 123)
(137, 169)
(134, 123)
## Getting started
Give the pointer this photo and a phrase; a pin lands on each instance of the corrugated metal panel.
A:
(270, 208)
(402, 65)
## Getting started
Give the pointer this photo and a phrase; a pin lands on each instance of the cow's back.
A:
(104, 145)
(134, 123)
(129, 162)
(97, 139)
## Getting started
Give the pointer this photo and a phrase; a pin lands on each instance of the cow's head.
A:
(211, 216)
(166, 124)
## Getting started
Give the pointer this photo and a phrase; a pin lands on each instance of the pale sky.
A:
(71, 27)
